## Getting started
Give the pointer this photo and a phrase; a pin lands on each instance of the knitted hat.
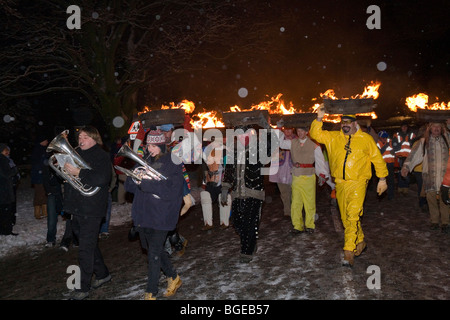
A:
(156, 137)
(351, 117)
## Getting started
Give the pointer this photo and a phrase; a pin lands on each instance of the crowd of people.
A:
(347, 160)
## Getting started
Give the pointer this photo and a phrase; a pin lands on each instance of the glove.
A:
(224, 197)
(322, 179)
(320, 112)
(381, 187)
(444, 194)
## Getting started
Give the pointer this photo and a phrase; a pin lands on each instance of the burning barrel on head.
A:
(349, 106)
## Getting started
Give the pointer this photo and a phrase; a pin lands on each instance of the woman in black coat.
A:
(89, 211)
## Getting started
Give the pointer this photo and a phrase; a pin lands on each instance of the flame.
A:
(146, 109)
(420, 100)
(187, 105)
(275, 106)
(370, 91)
(329, 94)
(207, 119)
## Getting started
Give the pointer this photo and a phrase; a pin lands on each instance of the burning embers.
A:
(277, 106)
(359, 104)
(420, 101)
(425, 112)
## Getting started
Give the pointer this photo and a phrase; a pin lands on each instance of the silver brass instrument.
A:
(60, 145)
(145, 171)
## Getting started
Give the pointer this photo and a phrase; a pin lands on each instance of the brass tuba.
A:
(60, 145)
(145, 171)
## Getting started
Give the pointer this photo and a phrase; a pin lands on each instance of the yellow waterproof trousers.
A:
(350, 197)
(303, 196)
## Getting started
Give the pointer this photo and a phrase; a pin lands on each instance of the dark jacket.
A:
(99, 176)
(52, 182)
(157, 204)
(38, 160)
(6, 181)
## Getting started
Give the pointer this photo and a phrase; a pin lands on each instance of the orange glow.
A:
(370, 91)
(275, 106)
(329, 94)
(207, 119)
(420, 101)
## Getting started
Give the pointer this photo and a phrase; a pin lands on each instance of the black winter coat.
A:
(6, 181)
(99, 176)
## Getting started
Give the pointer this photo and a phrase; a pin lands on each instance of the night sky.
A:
(320, 45)
(310, 47)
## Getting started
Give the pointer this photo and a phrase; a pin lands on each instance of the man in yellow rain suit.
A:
(351, 153)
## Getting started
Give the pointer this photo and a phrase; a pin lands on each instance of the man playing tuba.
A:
(88, 211)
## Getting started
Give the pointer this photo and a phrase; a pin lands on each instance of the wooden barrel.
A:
(295, 120)
(426, 115)
(348, 106)
(244, 118)
(162, 116)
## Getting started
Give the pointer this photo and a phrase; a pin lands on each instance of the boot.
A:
(37, 212)
(149, 296)
(348, 258)
(360, 248)
(207, 210)
(225, 213)
(172, 286)
(187, 204)
(44, 211)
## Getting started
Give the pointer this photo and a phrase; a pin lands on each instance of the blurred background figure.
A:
(384, 143)
(38, 160)
(7, 197)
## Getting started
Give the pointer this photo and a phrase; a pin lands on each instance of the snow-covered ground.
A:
(33, 232)
(413, 261)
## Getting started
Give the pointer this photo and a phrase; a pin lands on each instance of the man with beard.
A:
(351, 153)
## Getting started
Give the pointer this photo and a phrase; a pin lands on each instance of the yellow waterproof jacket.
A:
(356, 164)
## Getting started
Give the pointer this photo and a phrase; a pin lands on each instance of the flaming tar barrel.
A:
(426, 115)
(162, 116)
(295, 120)
(243, 118)
(348, 106)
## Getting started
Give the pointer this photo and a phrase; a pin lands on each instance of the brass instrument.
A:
(145, 171)
(60, 145)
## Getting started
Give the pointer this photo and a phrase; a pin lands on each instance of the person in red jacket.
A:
(384, 143)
